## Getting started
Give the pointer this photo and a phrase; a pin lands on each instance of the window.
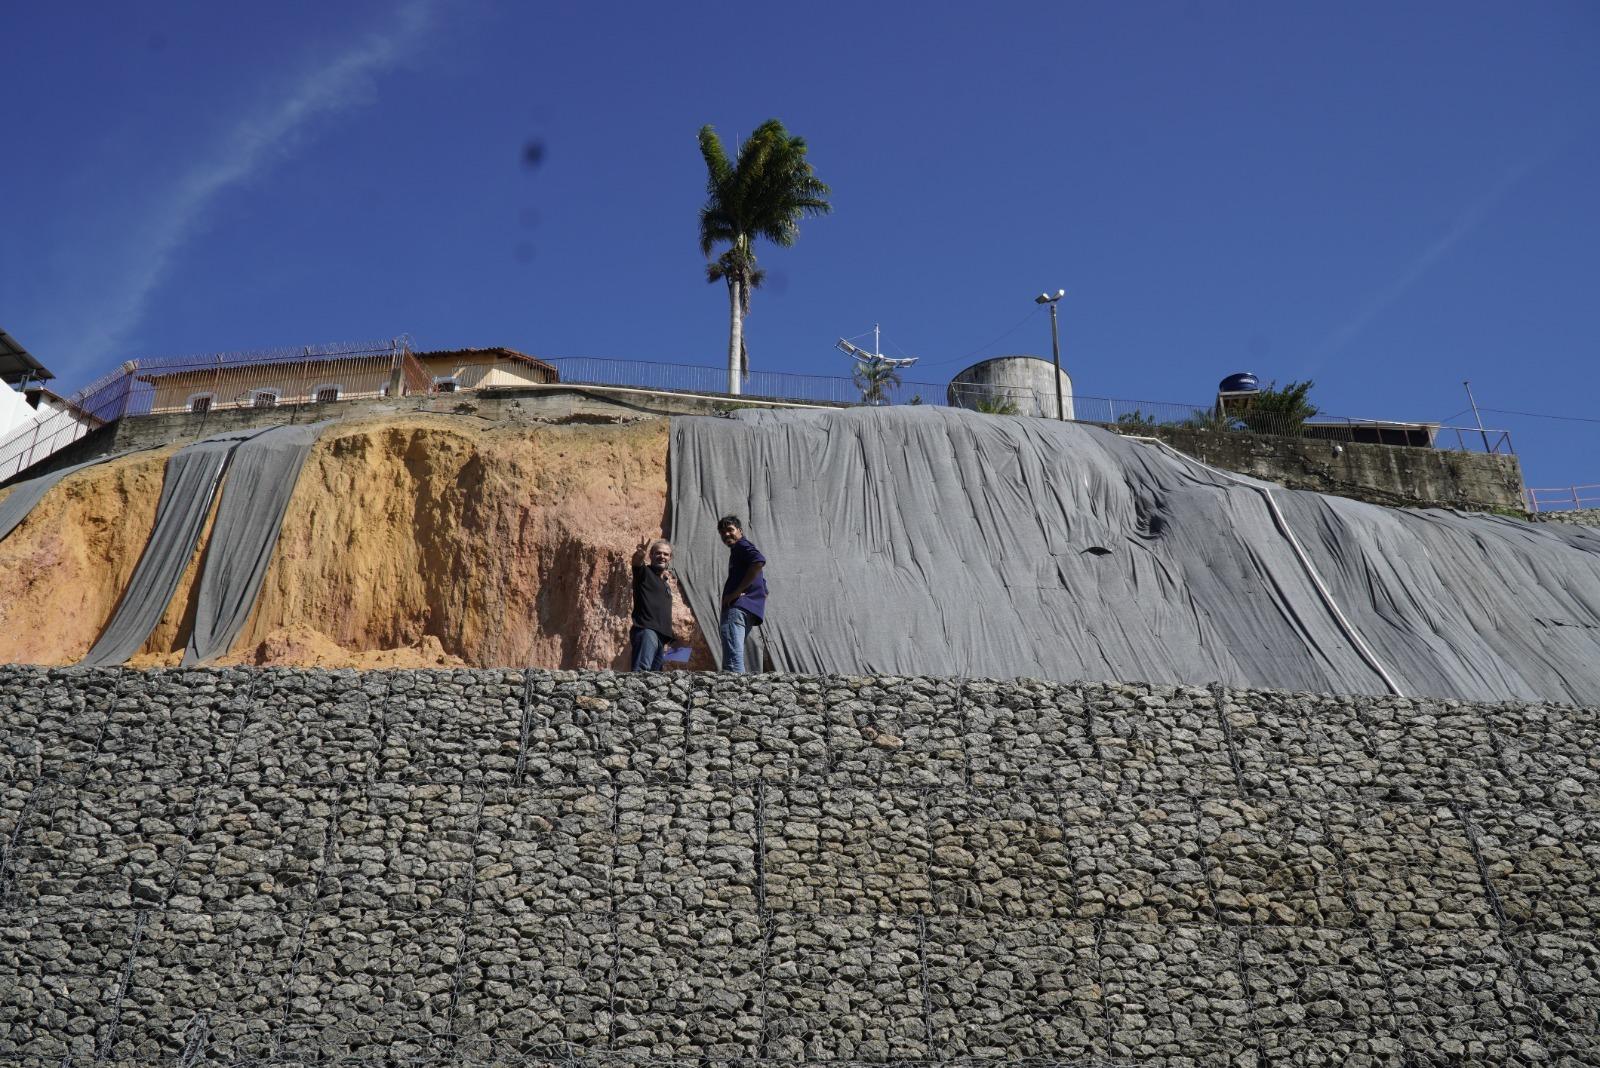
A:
(200, 402)
(265, 398)
(444, 385)
(325, 394)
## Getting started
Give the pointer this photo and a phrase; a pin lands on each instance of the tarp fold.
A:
(25, 496)
(918, 541)
(261, 479)
(186, 495)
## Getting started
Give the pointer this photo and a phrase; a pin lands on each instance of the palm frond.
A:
(736, 265)
(874, 379)
(714, 229)
(763, 192)
(753, 279)
(1280, 411)
(717, 166)
(996, 406)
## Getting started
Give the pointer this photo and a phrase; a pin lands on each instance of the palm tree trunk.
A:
(735, 333)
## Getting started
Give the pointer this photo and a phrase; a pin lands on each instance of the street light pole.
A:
(1055, 346)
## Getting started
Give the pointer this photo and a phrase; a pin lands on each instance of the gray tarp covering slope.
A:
(261, 479)
(936, 541)
(25, 496)
(186, 495)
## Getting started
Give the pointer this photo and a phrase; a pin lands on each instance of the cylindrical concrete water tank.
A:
(1028, 383)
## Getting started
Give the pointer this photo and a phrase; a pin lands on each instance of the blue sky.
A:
(1388, 198)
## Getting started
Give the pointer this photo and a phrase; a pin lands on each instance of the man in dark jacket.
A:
(651, 632)
(744, 595)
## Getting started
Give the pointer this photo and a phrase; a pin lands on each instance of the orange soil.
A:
(414, 542)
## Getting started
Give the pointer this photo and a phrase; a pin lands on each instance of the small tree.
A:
(1211, 420)
(1280, 411)
(1137, 420)
(874, 379)
(995, 406)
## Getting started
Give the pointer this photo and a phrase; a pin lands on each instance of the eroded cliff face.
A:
(423, 541)
(63, 571)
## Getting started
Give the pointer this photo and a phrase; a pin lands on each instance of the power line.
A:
(992, 341)
(1542, 415)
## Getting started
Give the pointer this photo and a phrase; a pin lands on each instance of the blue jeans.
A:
(648, 648)
(736, 624)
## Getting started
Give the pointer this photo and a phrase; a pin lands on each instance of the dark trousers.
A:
(648, 649)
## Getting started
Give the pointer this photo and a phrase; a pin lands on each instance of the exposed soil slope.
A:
(421, 541)
(63, 570)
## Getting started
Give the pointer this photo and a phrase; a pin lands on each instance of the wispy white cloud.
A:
(254, 143)
(1414, 271)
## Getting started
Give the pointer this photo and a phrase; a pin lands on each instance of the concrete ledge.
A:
(1380, 474)
(556, 403)
(1582, 517)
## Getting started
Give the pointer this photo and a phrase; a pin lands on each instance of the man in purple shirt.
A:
(744, 595)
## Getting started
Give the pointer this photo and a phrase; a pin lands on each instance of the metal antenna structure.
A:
(862, 356)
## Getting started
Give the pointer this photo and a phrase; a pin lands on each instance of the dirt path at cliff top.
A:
(411, 542)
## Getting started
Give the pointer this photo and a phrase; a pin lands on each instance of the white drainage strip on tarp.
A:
(1305, 561)
(917, 541)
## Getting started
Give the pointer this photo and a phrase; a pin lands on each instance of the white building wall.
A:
(14, 411)
(39, 433)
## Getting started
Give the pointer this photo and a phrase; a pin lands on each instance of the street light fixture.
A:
(1055, 345)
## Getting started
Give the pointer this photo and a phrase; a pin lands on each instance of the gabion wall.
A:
(1586, 517)
(497, 867)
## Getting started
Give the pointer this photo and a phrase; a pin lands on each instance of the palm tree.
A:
(874, 379)
(996, 406)
(1211, 420)
(764, 193)
(1137, 420)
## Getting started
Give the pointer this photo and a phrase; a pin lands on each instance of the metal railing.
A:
(713, 381)
(1563, 498)
(313, 374)
(1018, 400)
(318, 374)
(1135, 414)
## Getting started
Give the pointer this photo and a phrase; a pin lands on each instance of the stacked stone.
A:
(501, 867)
(1584, 517)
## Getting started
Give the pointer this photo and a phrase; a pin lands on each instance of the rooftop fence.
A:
(272, 378)
(1108, 411)
(290, 378)
(1563, 498)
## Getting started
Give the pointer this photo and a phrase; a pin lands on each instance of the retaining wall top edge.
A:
(757, 682)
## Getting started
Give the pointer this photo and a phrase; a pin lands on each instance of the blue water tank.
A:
(1243, 382)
